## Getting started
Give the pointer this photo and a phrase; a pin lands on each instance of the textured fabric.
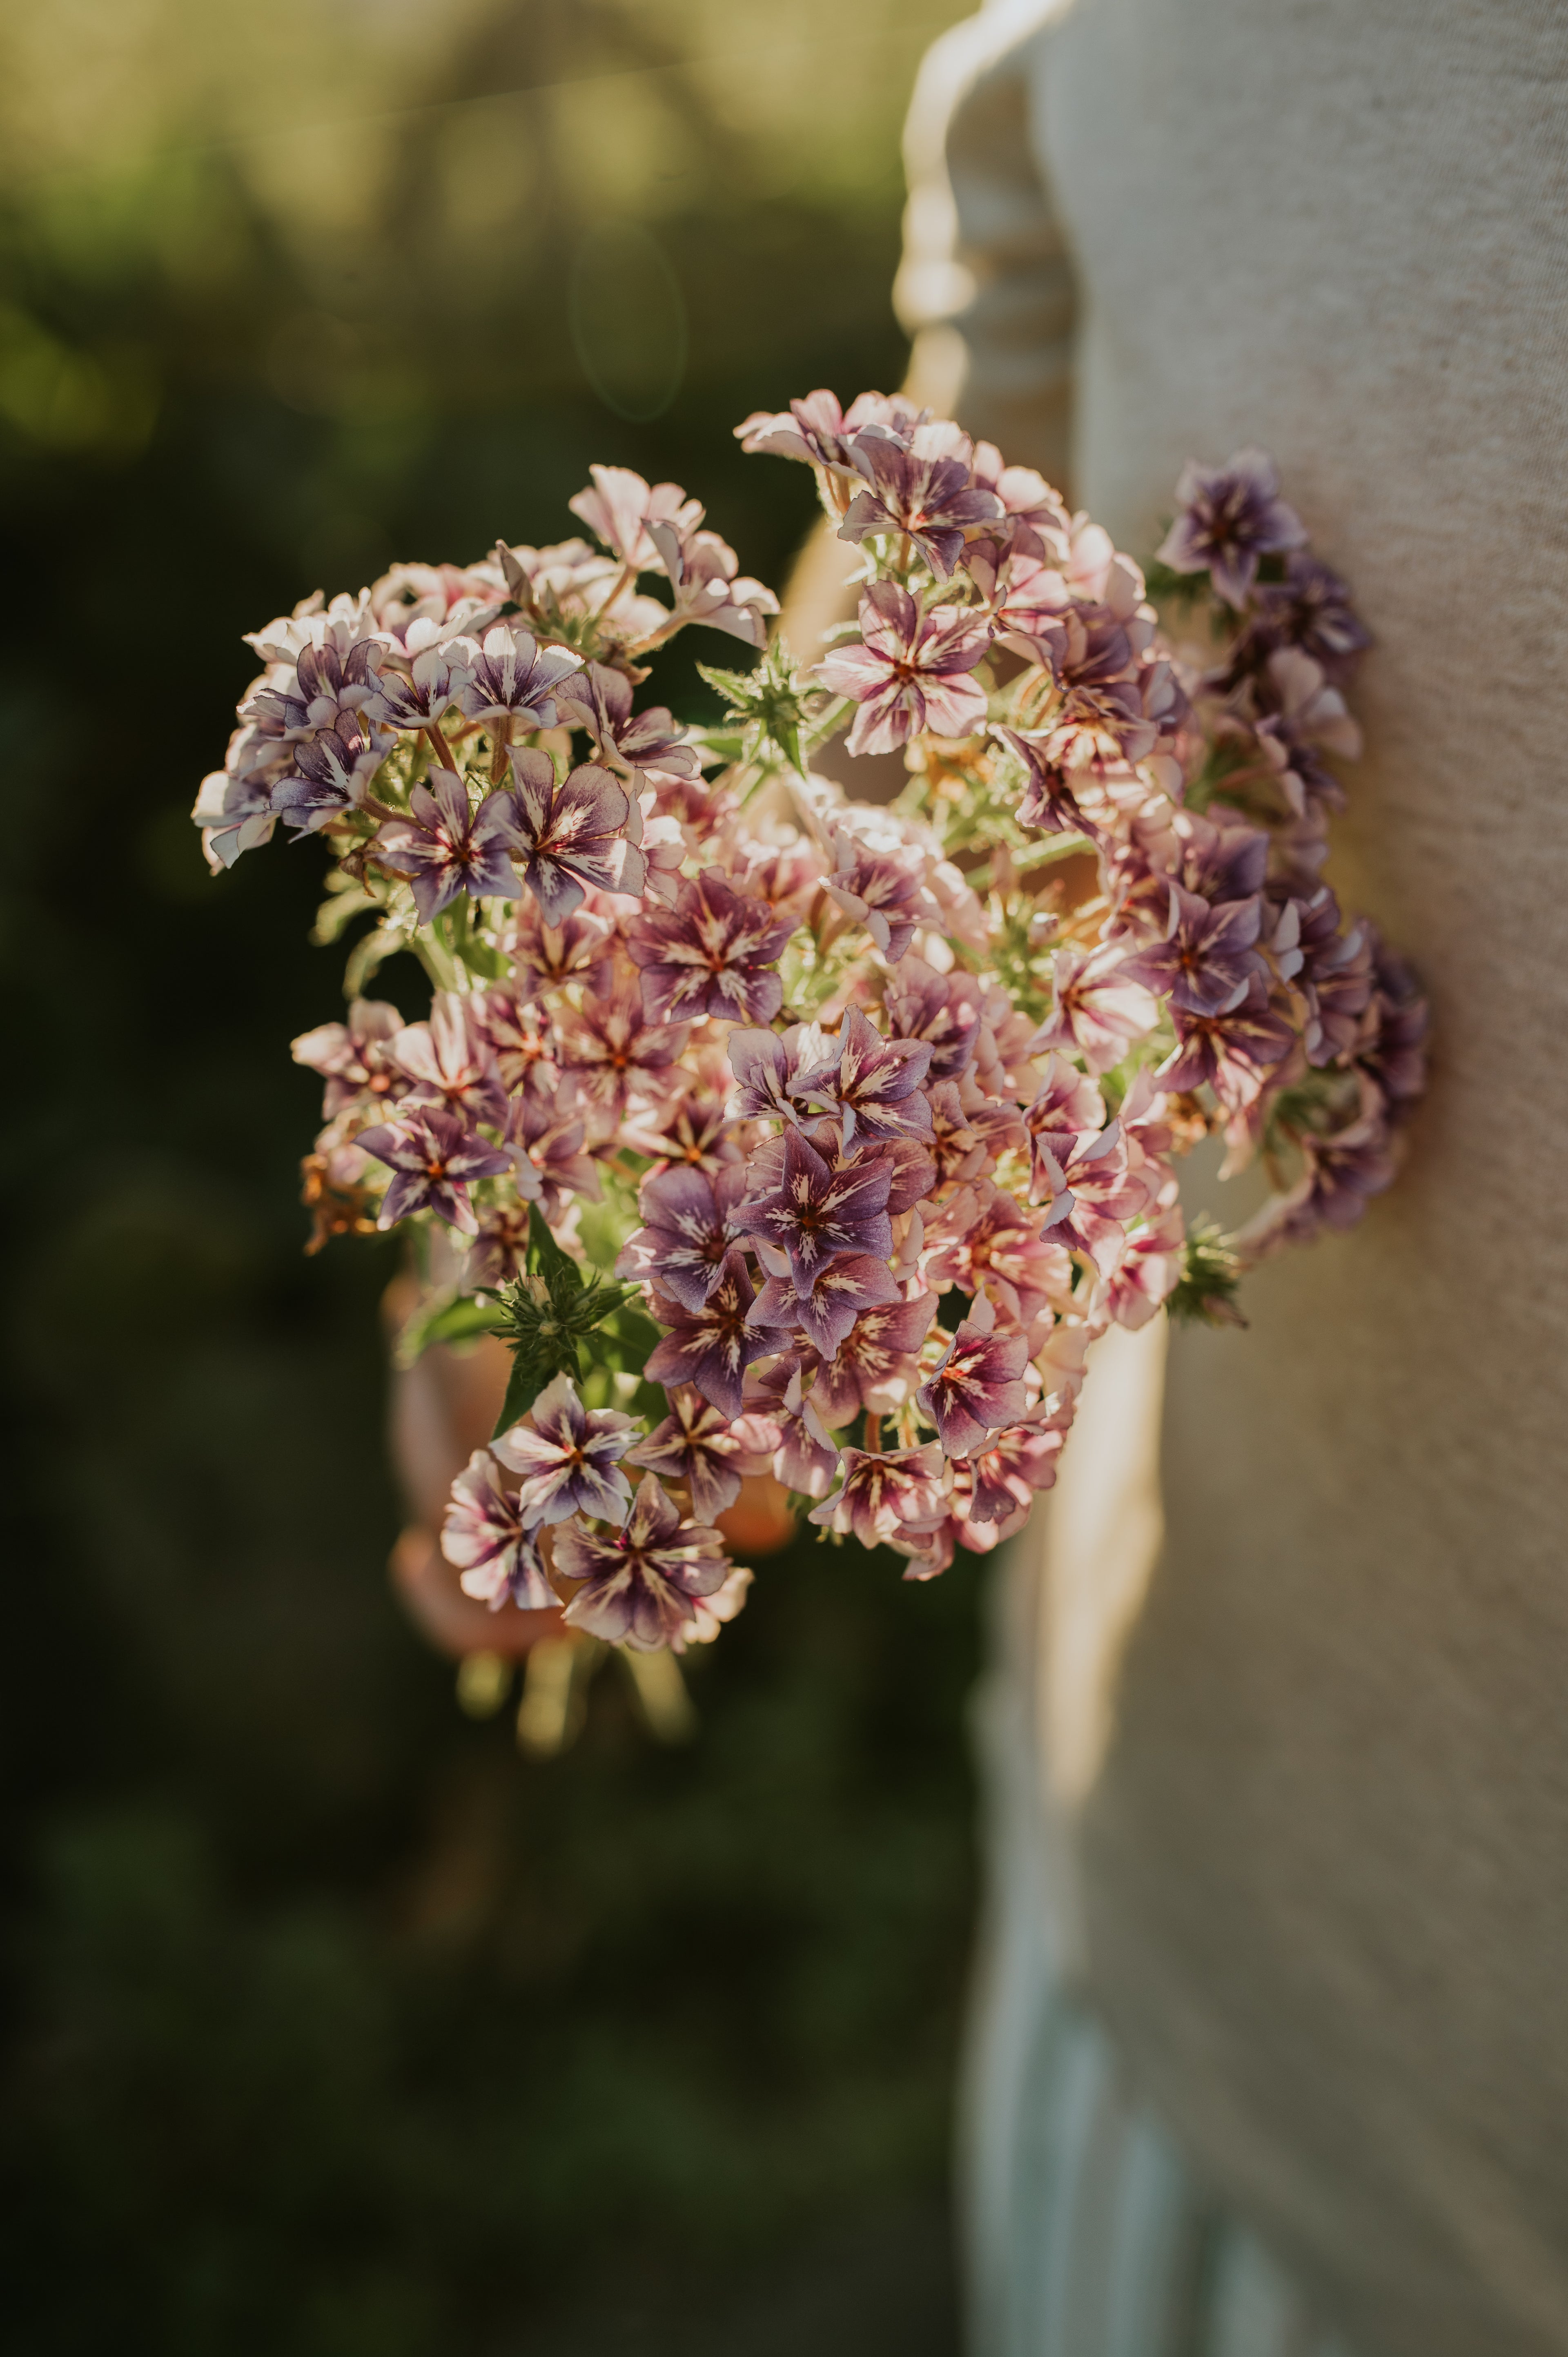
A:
(1088, 2235)
(1315, 1848)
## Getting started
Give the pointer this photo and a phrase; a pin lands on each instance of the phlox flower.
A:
(689, 1232)
(844, 1292)
(1013, 1466)
(567, 1457)
(548, 1139)
(1333, 971)
(567, 835)
(710, 1347)
(978, 1385)
(886, 1497)
(450, 1062)
(446, 848)
(233, 807)
(1207, 954)
(640, 1585)
(706, 1451)
(1067, 1105)
(421, 697)
(690, 1128)
(512, 677)
(788, 1075)
(812, 1213)
(619, 506)
(599, 700)
(500, 1250)
(332, 774)
(1102, 1195)
(918, 489)
(1229, 517)
(874, 1087)
(712, 1613)
(817, 430)
(881, 891)
(876, 1366)
(436, 1157)
(355, 1059)
(1050, 801)
(1311, 608)
(1034, 520)
(982, 1238)
(1392, 1046)
(521, 1042)
(909, 671)
(942, 1009)
(1102, 1004)
(711, 954)
(705, 572)
(485, 1537)
(544, 955)
(328, 684)
(1235, 1052)
(1150, 1267)
(615, 1050)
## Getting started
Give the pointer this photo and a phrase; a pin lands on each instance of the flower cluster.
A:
(872, 1112)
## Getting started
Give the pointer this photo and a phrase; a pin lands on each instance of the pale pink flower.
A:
(909, 671)
(885, 1497)
(1102, 1005)
(485, 1537)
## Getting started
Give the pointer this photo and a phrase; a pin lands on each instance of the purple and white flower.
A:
(844, 1291)
(883, 1498)
(918, 489)
(708, 1452)
(812, 1213)
(640, 743)
(450, 1061)
(1230, 517)
(640, 1584)
(978, 1387)
(616, 1051)
(711, 954)
(689, 1231)
(875, 1085)
(512, 678)
(447, 849)
(909, 671)
(710, 1347)
(486, 1538)
(877, 1367)
(435, 1158)
(568, 1455)
(568, 835)
(883, 892)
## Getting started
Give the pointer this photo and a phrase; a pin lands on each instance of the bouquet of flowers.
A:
(778, 1132)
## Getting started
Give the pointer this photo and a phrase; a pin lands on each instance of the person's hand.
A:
(443, 1408)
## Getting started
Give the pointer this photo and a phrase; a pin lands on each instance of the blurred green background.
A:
(335, 2025)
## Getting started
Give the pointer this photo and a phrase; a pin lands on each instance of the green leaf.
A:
(346, 900)
(368, 955)
(546, 1258)
(463, 1320)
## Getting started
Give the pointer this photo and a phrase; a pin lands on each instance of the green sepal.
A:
(1205, 1291)
(548, 1314)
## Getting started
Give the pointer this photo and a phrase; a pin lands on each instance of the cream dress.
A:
(1272, 2055)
